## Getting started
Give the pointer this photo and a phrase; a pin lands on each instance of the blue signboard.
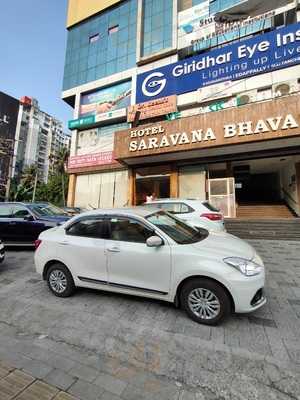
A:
(260, 54)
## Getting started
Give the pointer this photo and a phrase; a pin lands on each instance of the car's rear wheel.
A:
(60, 280)
(205, 301)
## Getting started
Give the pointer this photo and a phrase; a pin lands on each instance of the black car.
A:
(21, 223)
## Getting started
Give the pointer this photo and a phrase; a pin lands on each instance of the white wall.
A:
(102, 190)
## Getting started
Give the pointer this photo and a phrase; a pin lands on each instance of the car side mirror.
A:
(154, 241)
(29, 218)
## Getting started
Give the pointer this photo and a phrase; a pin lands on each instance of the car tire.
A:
(60, 280)
(205, 301)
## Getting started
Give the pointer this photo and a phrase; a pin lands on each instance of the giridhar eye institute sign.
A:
(261, 54)
(252, 123)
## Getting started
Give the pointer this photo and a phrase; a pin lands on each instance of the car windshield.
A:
(176, 229)
(46, 210)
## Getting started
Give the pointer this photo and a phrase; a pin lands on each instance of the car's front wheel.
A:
(205, 301)
(60, 280)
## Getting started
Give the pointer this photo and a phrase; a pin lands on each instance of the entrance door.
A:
(222, 195)
(154, 182)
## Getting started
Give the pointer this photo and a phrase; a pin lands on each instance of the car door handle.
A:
(64, 243)
(12, 223)
(113, 249)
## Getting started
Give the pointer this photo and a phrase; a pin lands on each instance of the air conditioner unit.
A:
(286, 88)
(246, 97)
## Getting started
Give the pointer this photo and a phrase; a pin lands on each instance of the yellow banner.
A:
(79, 10)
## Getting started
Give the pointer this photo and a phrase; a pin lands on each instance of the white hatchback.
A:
(198, 213)
(153, 254)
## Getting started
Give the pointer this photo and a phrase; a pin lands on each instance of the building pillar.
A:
(71, 190)
(297, 167)
(174, 183)
(131, 187)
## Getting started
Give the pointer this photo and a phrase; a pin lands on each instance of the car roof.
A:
(176, 200)
(138, 211)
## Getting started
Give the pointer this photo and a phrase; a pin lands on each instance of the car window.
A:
(210, 207)
(96, 228)
(176, 208)
(128, 230)
(5, 211)
(177, 229)
(20, 212)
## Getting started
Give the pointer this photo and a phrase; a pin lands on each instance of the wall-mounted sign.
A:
(109, 103)
(261, 54)
(265, 121)
(81, 122)
(211, 33)
(90, 160)
(154, 108)
(189, 21)
(95, 146)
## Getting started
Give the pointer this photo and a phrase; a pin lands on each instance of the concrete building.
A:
(9, 107)
(39, 138)
(184, 98)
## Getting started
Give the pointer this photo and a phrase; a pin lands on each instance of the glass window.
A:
(46, 210)
(157, 26)
(90, 227)
(94, 38)
(174, 208)
(20, 212)
(5, 211)
(210, 207)
(177, 229)
(128, 230)
(104, 37)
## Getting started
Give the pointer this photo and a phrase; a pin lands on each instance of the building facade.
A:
(184, 98)
(39, 138)
(9, 108)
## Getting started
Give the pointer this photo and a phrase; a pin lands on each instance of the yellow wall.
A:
(81, 9)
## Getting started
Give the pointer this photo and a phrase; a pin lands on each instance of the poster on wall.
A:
(108, 103)
(260, 54)
(189, 21)
(95, 147)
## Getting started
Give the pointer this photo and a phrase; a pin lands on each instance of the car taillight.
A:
(212, 217)
(37, 243)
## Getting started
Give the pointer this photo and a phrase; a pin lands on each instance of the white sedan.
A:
(198, 213)
(153, 254)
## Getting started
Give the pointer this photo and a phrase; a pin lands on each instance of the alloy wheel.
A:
(58, 281)
(204, 303)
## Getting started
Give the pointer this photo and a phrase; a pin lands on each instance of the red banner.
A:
(91, 160)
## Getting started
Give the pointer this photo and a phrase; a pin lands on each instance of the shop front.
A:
(238, 156)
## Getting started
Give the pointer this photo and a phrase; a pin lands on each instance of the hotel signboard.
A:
(264, 121)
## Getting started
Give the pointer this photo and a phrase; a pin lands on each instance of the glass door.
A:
(221, 193)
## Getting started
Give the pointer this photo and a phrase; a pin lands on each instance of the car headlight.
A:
(246, 267)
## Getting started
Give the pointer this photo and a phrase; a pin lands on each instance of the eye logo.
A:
(152, 87)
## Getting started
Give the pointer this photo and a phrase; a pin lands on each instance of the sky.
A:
(32, 52)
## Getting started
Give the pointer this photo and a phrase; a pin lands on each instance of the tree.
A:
(58, 163)
(24, 190)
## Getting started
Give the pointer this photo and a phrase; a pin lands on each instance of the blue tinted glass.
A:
(112, 52)
(157, 26)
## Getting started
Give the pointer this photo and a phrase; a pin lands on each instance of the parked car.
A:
(153, 254)
(71, 211)
(2, 252)
(21, 223)
(198, 213)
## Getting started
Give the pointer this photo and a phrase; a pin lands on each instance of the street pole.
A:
(35, 185)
